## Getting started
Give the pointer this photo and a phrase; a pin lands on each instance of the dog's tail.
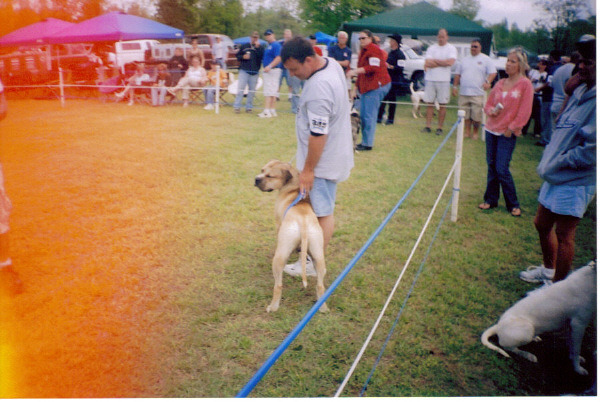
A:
(303, 255)
(412, 88)
(485, 339)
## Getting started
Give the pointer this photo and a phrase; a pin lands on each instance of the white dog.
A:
(571, 301)
(416, 97)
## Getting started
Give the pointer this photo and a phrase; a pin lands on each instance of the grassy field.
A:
(145, 252)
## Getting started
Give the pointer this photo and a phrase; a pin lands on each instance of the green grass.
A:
(140, 237)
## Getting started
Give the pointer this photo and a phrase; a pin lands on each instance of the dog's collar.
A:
(296, 201)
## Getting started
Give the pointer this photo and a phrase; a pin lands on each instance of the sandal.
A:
(516, 211)
(485, 206)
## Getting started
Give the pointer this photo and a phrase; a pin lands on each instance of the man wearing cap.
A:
(313, 42)
(271, 74)
(250, 56)
(474, 75)
(395, 66)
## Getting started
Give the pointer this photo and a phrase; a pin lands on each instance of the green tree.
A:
(560, 14)
(277, 19)
(328, 15)
(180, 14)
(220, 16)
(465, 8)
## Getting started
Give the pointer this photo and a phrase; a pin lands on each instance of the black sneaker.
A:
(361, 147)
(439, 131)
(426, 130)
(389, 123)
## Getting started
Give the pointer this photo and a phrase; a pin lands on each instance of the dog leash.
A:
(296, 201)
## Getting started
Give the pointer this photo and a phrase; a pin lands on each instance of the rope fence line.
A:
(266, 366)
(393, 291)
(408, 294)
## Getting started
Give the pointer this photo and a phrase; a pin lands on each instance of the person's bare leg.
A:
(327, 223)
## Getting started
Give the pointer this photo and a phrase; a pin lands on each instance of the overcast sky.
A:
(521, 12)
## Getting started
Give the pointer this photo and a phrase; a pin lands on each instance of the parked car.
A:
(164, 51)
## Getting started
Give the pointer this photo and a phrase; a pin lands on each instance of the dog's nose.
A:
(256, 181)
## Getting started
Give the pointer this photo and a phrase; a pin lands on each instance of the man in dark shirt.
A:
(178, 65)
(395, 65)
(250, 56)
(341, 53)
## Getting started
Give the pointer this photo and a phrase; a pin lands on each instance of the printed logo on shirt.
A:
(374, 61)
(318, 124)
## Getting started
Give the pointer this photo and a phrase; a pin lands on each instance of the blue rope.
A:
(387, 339)
(300, 326)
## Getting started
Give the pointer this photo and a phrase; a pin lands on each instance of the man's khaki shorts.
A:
(473, 107)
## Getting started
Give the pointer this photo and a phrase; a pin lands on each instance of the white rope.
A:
(389, 299)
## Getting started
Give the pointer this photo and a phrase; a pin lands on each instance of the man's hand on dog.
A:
(307, 179)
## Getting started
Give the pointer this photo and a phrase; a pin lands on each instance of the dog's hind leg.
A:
(316, 251)
(285, 246)
(514, 332)
(303, 253)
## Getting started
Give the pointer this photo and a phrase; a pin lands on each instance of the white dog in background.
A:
(571, 301)
(416, 97)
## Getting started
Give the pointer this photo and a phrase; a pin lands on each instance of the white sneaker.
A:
(185, 104)
(273, 113)
(120, 95)
(295, 269)
(537, 274)
(265, 114)
(209, 107)
(130, 102)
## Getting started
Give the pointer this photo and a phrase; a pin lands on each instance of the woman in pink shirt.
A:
(508, 108)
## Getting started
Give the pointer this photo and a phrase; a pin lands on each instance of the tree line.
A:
(559, 26)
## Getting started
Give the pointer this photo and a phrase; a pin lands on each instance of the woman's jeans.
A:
(499, 150)
(369, 107)
(209, 96)
(245, 79)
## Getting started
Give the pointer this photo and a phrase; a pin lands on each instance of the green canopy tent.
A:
(422, 20)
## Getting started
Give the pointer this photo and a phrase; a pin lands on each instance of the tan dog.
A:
(297, 225)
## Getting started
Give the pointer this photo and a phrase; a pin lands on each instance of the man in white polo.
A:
(474, 76)
(439, 60)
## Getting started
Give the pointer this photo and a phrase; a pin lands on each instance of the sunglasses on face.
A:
(362, 37)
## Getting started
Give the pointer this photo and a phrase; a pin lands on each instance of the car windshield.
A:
(410, 53)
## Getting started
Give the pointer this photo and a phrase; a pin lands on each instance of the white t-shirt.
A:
(436, 51)
(196, 74)
(473, 71)
(324, 109)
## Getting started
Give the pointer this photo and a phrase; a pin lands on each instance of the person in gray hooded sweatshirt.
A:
(568, 167)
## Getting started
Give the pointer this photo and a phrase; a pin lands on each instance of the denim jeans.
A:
(209, 96)
(499, 150)
(546, 120)
(245, 79)
(369, 107)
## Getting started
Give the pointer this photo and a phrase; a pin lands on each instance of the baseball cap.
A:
(268, 32)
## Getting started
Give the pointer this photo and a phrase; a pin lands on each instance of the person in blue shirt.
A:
(271, 74)
(341, 53)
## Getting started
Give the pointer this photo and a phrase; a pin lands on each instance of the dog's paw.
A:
(581, 359)
(272, 308)
(324, 308)
(581, 371)
(537, 339)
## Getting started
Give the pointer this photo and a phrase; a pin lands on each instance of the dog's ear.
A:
(287, 176)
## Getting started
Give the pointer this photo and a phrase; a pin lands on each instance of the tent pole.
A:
(62, 88)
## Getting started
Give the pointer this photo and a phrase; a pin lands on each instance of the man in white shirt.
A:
(325, 152)
(439, 60)
(474, 75)
(219, 51)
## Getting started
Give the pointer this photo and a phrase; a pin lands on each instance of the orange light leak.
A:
(8, 358)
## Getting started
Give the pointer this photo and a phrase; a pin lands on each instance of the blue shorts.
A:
(566, 200)
(322, 196)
